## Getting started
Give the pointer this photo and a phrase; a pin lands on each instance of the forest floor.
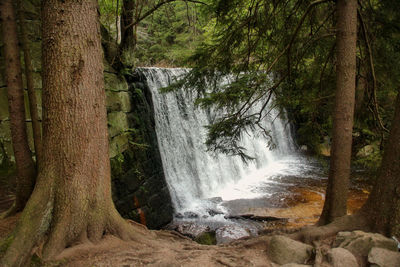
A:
(162, 248)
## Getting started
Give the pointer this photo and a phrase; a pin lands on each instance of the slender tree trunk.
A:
(71, 202)
(37, 136)
(339, 173)
(383, 205)
(25, 166)
(128, 39)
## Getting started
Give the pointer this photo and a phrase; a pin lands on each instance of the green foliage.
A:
(165, 38)
(280, 48)
(170, 35)
(4, 244)
(292, 44)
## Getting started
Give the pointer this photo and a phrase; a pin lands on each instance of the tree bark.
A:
(37, 136)
(383, 205)
(128, 34)
(24, 163)
(346, 37)
(71, 202)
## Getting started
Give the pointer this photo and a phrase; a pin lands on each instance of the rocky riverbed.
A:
(289, 202)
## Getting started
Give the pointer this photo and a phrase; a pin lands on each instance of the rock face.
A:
(138, 176)
(379, 257)
(139, 186)
(360, 243)
(227, 234)
(340, 257)
(284, 250)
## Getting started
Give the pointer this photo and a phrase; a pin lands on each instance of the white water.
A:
(194, 175)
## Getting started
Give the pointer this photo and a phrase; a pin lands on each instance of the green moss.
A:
(207, 238)
(36, 261)
(4, 244)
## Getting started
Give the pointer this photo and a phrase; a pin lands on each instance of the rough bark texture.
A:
(25, 166)
(71, 202)
(346, 38)
(128, 34)
(383, 205)
(37, 136)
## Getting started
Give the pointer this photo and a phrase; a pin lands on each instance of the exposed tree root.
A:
(10, 212)
(345, 223)
(44, 222)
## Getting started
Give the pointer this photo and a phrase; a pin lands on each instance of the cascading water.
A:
(194, 175)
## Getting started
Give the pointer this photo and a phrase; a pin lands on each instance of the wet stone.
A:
(227, 234)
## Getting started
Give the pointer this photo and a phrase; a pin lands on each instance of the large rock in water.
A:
(340, 257)
(379, 257)
(192, 230)
(360, 243)
(283, 250)
(230, 233)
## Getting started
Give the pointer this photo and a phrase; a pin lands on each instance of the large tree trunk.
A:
(339, 173)
(383, 205)
(25, 166)
(37, 135)
(71, 202)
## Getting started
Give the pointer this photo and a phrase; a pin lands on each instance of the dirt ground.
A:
(160, 248)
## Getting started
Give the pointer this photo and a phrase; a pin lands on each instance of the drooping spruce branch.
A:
(249, 65)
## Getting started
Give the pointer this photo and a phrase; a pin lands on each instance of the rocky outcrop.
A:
(140, 190)
(360, 243)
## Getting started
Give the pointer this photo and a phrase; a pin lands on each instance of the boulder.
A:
(380, 257)
(192, 230)
(230, 233)
(339, 257)
(283, 250)
(360, 243)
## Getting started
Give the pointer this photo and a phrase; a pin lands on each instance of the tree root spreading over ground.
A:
(165, 248)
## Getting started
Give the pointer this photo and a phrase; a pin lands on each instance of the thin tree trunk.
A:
(346, 37)
(24, 163)
(71, 202)
(37, 137)
(128, 39)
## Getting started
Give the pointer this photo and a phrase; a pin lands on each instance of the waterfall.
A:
(195, 175)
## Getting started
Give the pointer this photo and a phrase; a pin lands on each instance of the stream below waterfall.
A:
(280, 187)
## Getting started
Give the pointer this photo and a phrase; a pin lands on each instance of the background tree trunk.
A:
(128, 34)
(71, 202)
(383, 205)
(24, 163)
(346, 37)
(37, 136)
